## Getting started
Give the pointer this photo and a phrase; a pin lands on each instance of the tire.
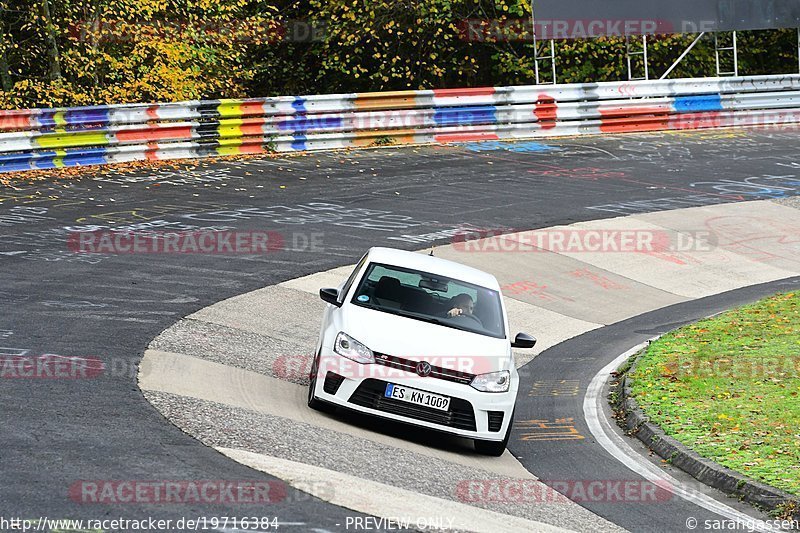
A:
(314, 402)
(495, 448)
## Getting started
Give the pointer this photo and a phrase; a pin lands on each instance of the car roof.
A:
(433, 265)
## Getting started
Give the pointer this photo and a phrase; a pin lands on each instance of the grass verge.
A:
(728, 387)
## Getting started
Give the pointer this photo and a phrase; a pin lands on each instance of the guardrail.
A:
(50, 138)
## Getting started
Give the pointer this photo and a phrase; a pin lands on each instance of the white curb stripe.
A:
(600, 427)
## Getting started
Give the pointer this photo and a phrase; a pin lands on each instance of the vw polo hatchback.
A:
(420, 340)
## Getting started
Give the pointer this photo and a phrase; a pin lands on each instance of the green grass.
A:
(729, 388)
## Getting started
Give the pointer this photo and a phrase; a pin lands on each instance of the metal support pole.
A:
(629, 54)
(537, 57)
(551, 58)
(734, 48)
(533, 34)
(689, 49)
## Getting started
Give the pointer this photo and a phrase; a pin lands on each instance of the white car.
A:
(420, 340)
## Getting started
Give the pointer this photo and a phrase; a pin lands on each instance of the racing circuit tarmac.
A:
(329, 208)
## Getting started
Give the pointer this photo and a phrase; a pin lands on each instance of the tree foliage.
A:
(80, 52)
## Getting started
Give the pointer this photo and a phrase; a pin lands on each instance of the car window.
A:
(431, 298)
(349, 282)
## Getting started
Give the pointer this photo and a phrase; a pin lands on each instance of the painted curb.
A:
(636, 423)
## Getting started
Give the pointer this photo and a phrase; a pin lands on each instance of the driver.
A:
(462, 305)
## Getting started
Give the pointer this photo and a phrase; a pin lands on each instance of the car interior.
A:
(390, 293)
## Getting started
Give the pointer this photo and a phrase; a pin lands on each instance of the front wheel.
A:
(494, 448)
(313, 401)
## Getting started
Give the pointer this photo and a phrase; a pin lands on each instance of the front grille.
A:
(371, 394)
(332, 382)
(495, 420)
(409, 365)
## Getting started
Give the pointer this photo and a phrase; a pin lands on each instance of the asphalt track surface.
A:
(56, 432)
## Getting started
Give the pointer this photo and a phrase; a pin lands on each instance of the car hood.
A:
(417, 340)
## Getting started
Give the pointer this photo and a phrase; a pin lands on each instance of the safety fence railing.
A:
(49, 138)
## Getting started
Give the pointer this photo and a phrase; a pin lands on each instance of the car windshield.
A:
(431, 298)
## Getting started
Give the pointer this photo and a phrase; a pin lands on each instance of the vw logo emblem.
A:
(424, 368)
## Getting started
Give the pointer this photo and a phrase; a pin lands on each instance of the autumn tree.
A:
(81, 52)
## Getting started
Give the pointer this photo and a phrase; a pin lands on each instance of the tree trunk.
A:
(95, 25)
(5, 73)
(5, 77)
(5, 42)
(52, 45)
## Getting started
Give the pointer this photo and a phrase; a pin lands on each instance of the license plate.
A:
(417, 397)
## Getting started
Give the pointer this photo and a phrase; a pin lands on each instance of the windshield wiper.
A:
(415, 316)
(434, 320)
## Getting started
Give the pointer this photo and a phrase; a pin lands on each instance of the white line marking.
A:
(622, 452)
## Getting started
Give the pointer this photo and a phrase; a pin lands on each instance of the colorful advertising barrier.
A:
(52, 138)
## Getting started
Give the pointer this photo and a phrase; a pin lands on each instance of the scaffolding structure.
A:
(733, 49)
(726, 55)
(632, 52)
(549, 57)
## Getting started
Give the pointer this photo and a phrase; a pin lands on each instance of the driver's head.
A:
(465, 303)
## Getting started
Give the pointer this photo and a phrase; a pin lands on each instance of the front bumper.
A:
(472, 413)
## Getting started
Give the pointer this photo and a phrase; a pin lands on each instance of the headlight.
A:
(492, 382)
(347, 346)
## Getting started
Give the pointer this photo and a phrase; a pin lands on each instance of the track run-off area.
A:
(221, 332)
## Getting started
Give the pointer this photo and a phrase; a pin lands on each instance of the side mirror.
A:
(331, 296)
(523, 340)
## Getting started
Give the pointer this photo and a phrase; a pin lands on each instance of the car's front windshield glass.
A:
(431, 298)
